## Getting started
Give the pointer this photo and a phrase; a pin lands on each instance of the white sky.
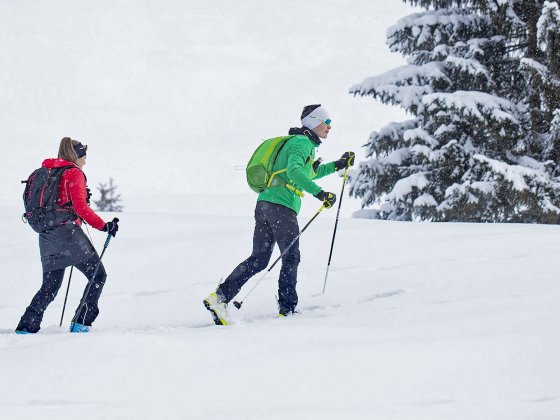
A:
(171, 95)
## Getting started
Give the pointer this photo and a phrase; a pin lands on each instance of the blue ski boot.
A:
(79, 328)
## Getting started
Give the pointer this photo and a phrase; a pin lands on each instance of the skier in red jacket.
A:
(66, 245)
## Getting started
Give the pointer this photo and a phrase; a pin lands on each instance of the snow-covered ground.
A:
(419, 321)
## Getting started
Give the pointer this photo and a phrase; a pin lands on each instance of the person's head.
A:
(317, 119)
(72, 151)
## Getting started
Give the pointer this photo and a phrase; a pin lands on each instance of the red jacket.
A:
(72, 188)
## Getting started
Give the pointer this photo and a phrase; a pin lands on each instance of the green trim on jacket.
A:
(297, 155)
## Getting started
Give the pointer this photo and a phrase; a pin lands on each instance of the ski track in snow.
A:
(315, 310)
(238, 318)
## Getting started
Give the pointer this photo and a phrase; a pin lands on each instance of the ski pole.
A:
(90, 283)
(335, 226)
(238, 304)
(66, 297)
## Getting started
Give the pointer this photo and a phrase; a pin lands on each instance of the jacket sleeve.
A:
(77, 193)
(324, 170)
(298, 154)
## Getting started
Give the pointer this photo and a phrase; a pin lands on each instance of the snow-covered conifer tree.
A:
(542, 67)
(471, 151)
(109, 200)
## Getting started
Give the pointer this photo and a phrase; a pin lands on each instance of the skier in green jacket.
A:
(276, 213)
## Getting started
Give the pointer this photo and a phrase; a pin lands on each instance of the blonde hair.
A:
(66, 150)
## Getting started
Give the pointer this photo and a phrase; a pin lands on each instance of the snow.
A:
(555, 123)
(420, 134)
(410, 74)
(405, 85)
(475, 104)
(541, 71)
(404, 186)
(424, 29)
(469, 66)
(429, 153)
(548, 22)
(530, 163)
(428, 321)
(425, 200)
(396, 157)
(515, 174)
(465, 189)
(393, 130)
(484, 187)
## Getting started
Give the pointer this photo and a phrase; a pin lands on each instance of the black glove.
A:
(327, 198)
(346, 160)
(316, 164)
(112, 227)
(88, 195)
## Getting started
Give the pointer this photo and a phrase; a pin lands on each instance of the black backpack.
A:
(39, 198)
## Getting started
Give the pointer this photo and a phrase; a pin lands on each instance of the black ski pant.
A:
(52, 280)
(274, 223)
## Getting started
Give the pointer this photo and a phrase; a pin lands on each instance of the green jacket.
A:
(297, 155)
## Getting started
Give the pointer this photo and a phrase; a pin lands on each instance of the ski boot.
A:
(79, 328)
(286, 312)
(217, 308)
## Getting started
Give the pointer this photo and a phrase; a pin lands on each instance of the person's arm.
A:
(324, 170)
(298, 153)
(78, 195)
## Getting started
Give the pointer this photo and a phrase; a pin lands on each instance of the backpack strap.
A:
(69, 204)
(278, 182)
(294, 189)
(269, 184)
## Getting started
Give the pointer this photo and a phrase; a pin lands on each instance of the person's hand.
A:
(112, 227)
(88, 195)
(345, 161)
(316, 164)
(327, 198)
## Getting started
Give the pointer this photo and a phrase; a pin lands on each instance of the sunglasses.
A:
(327, 121)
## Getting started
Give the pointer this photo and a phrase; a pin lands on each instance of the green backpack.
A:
(260, 174)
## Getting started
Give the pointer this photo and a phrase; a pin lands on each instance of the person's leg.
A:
(285, 228)
(31, 319)
(90, 310)
(263, 244)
